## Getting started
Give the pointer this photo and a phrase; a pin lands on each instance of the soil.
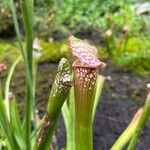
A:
(123, 93)
(121, 98)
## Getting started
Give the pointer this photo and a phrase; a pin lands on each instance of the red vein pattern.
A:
(85, 69)
(84, 53)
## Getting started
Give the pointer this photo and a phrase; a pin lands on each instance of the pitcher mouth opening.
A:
(78, 63)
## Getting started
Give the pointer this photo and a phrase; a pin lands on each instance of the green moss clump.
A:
(135, 56)
(135, 45)
(8, 51)
(53, 51)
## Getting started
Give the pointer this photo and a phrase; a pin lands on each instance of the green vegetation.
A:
(124, 33)
(54, 51)
(78, 16)
(135, 54)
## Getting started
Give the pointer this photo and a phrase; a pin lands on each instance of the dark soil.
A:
(121, 98)
(122, 95)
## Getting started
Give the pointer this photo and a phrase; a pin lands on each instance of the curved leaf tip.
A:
(63, 78)
(84, 53)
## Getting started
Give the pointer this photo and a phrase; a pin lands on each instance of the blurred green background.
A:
(119, 28)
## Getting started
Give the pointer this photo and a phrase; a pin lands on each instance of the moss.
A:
(134, 45)
(9, 51)
(53, 51)
(135, 56)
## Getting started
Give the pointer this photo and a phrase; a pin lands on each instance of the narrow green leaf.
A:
(1, 144)
(5, 126)
(99, 86)
(28, 21)
(66, 114)
(1, 94)
(128, 132)
(142, 122)
(35, 132)
(16, 125)
(69, 120)
(10, 74)
(27, 11)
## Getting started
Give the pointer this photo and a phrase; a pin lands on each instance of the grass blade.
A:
(27, 10)
(69, 120)
(35, 132)
(11, 71)
(16, 125)
(143, 120)
(5, 126)
(100, 83)
(128, 132)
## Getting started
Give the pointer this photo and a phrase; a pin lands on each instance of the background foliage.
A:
(59, 19)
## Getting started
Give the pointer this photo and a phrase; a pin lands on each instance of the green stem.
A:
(46, 133)
(58, 95)
(27, 9)
(1, 93)
(84, 137)
(69, 120)
(6, 127)
(99, 87)
(84, 89)
(125, 42)
(143, 120)
(19, 37)
(109, 50)
(33, 113)
(71, 144)
(66, 118)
